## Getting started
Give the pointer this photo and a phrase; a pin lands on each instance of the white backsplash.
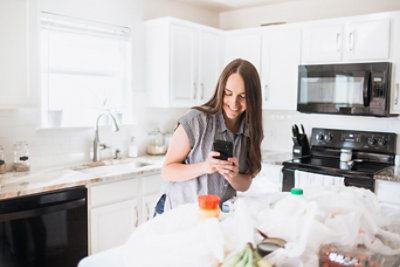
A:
(277, 126)
(68, 146)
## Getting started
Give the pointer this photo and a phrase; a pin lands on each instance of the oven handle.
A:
(367, 88)
(25, 214)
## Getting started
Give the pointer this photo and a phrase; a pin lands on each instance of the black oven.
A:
(46, 230)
(350, 157)
(347, 89)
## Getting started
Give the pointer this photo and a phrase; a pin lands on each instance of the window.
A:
(84, 70)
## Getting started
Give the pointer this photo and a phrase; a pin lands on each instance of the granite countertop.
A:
(389, 174)
(13, 184)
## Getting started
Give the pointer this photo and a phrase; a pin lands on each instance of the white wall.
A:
(303, 10)
(51, 147)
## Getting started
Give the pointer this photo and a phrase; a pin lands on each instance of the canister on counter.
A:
(2, 161)
(21, 157)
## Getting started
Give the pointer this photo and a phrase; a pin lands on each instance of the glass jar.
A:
(21, 157)
(156, 145)
(2, 161)
(208, 206)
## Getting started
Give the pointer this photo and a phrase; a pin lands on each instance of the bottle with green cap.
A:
(296, 191)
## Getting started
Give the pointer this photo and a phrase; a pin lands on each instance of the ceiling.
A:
(228, 5)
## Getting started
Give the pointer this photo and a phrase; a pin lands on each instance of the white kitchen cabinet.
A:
(387, 192)
(395, 58)
(361, 38)
(18, 49)
(245, 44)
(182, 62)
(269, 180)
(117, 208)
(112, 224)
(279, 66)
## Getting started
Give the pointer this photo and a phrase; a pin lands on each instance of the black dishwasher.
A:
(46, 229)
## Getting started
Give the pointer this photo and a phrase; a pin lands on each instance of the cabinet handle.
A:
(338, 41)
(351, 41)
(137, 217)
(396, 94)
(266, 92)
(195, 90)
(202, 90)
(147, 211)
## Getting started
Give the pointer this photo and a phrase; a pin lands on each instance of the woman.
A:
(233, 113)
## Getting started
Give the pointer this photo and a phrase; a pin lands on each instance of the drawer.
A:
(152, 184)
(113, 192)
(387, 191)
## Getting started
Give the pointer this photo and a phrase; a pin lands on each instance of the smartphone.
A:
(225, 148)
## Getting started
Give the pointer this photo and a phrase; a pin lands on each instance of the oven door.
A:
(48, 229)
(301, 177)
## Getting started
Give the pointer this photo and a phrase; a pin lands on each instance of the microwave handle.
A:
(367, 88)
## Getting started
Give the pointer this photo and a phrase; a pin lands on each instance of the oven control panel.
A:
(358, 140)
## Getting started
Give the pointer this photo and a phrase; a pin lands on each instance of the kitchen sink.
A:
(126, 162)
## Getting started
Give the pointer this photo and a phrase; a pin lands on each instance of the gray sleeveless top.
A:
(202, 129)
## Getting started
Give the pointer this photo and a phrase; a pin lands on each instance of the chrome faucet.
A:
(96, 142)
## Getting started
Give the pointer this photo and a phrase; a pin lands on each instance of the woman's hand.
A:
(229, 168)
(212, 164)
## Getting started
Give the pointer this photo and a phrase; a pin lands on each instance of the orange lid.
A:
(208, 201)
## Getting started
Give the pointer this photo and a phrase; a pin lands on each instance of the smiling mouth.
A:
(234, 109)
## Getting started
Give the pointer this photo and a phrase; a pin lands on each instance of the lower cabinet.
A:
(117, 208)
(387, 193)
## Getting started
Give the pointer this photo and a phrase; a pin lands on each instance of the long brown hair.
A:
(253, 113)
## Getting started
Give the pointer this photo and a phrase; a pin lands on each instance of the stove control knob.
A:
(328, 137)
(320, 137)
(371, 141)
(382, 141)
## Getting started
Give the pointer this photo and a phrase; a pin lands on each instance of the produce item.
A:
(208, 206)
(248, 257)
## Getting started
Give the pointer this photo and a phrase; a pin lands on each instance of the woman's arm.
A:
(175, 170)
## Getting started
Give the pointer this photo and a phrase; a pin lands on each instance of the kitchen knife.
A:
(295, 134)
(302, 129)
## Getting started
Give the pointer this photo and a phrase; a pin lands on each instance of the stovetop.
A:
(371, 152)
(335, 166)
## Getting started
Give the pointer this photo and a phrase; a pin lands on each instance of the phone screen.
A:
(225, 148)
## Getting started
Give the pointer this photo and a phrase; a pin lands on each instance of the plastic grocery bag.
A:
(342, 215)
(178, 238)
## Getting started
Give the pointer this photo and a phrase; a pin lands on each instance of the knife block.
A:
(302, 148)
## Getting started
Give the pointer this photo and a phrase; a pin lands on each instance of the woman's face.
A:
(234, 99)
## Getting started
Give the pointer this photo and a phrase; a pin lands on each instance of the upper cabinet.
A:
(182, 62)
(280, 56)
(364, 38)
(245, 44)
(17, 35)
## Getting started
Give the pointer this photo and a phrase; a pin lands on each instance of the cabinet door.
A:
(183, 65)
(112, 224)
(209, 59)
(245, 44)
(280, 60)
(322, 43)
(367, 40)
(149, 203)
(14, 47)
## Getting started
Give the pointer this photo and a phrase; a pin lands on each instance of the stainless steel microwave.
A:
(348, 89)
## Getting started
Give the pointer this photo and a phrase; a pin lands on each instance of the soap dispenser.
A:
(133, 148)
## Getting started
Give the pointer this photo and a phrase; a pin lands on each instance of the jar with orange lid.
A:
(208, 206)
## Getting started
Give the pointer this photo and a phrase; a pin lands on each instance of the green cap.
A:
(296, 191)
